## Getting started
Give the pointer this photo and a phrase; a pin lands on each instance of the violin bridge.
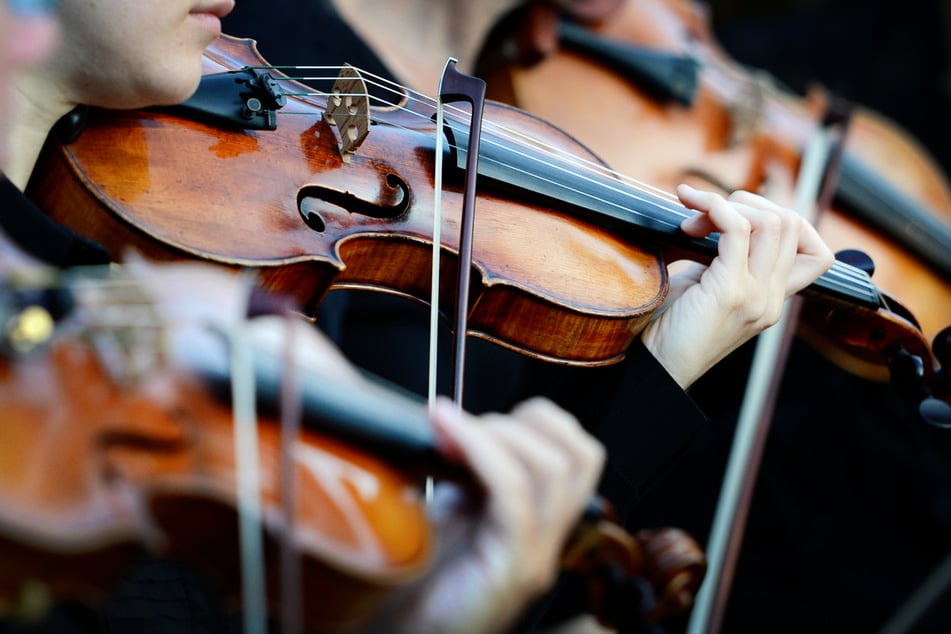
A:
(348, 108)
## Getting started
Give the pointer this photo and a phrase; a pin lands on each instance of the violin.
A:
(120, 439)
(323, 190)
(654, 69)
(103, 462)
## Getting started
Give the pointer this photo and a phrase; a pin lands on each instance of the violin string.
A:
(410, 95)
(461, 117)
(674, 210)
(842, 276)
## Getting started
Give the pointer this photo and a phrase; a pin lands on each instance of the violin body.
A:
(286, 203)
(95, 472)
(739, 132)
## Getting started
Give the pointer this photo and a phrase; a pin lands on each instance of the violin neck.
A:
(372, 414)
(892, 211)
(602, 198)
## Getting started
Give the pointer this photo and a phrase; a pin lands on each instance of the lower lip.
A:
(210, 21)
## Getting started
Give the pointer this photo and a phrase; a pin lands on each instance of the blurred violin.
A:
(323, 190)
(680, 110)
(119, 438)
(112, 449)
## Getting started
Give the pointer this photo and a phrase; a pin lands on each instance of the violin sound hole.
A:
(312, 218)
(318, 205)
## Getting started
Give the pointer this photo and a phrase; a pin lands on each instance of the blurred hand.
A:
(539, 469)
(767, 253)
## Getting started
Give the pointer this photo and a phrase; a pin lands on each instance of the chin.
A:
(177, 96)
(167, 93)
(163, 85)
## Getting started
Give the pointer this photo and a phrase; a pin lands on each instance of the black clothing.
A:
(39, 236)
(851, 510)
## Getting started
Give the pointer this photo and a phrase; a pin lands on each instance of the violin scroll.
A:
(659, 571)
(676, 566)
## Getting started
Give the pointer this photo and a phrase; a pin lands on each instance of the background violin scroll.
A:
(662, 569)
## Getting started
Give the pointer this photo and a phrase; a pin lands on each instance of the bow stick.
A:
(813, 192)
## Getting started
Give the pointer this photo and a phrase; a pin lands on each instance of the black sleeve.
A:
(652, 420)
(636, 409)
(27, 225)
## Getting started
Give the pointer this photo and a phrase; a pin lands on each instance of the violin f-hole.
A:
(317, 203)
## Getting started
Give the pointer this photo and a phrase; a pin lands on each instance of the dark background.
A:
(891, 56)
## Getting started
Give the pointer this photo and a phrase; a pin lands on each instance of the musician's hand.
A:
(539, 469)
(766, 254)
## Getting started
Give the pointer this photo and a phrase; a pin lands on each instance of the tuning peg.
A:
(935, 412)
(859, 259)
(941, 347)
(907, 373)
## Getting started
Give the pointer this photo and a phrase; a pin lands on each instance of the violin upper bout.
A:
(229, 52)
